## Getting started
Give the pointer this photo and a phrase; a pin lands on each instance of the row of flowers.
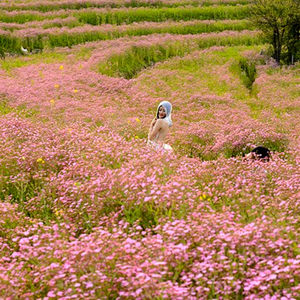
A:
(97, 16)
(34, 39)
(46, 5)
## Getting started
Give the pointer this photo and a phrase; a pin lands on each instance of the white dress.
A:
(158, 146)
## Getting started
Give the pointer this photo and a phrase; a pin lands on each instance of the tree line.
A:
(279, 21)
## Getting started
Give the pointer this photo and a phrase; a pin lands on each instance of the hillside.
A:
(88, 210)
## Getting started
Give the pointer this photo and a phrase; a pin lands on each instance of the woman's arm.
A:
(151, 127)
(157, 126)
(153, 122)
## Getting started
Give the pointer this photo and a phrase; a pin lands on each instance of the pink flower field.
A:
(89, 211)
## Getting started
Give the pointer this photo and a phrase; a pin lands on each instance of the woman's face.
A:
(162, 112)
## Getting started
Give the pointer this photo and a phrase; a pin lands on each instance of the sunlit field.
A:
(88, 210)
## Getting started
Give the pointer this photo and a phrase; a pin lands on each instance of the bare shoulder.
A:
(162, 123)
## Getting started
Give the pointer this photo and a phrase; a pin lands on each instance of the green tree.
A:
(279, 21)
(293, 39)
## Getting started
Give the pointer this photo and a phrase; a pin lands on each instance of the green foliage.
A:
(229, 41)
(46, 57)
(279, 21)
(68, 40)
(248, 72)
(135, 59)
(2, 53)
(292, 41)
(274, 144)
(119, 17)
(9, 44)
(136, 15)
(38, 43)
(195, 146)
(45, 7)
(22, 191)
(12, 44)
(148, 214)
(35, 43)
(20, 110)
(5, 108)
(24, 17)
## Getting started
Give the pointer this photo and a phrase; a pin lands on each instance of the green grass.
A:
(9, 44)
(42, 7)
(22, 18)
(47, 57)
(198, 70)
(127, 16)
(20, 192)
(70, 39)
(5, 108)
(11, 63)
(119, 17)
(147, 215)
(135, 59)
(13, 44)
(248, 72)
(84, 53)
(20, 110)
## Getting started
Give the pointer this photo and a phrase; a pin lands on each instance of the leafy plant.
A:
(248, 72)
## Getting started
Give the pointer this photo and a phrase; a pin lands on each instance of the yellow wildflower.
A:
(136, 137)
(23, 157)
(75, 91)
(138, 120)
(58, 212)
(52, 101)
(203, 197)
(61, 67)
(40, 160)
(56, 86)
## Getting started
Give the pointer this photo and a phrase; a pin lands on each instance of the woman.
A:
(159, 127)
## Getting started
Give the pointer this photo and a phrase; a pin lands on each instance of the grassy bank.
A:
(130, 15)
(48, 6)
(42, 39)
(129, 63)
